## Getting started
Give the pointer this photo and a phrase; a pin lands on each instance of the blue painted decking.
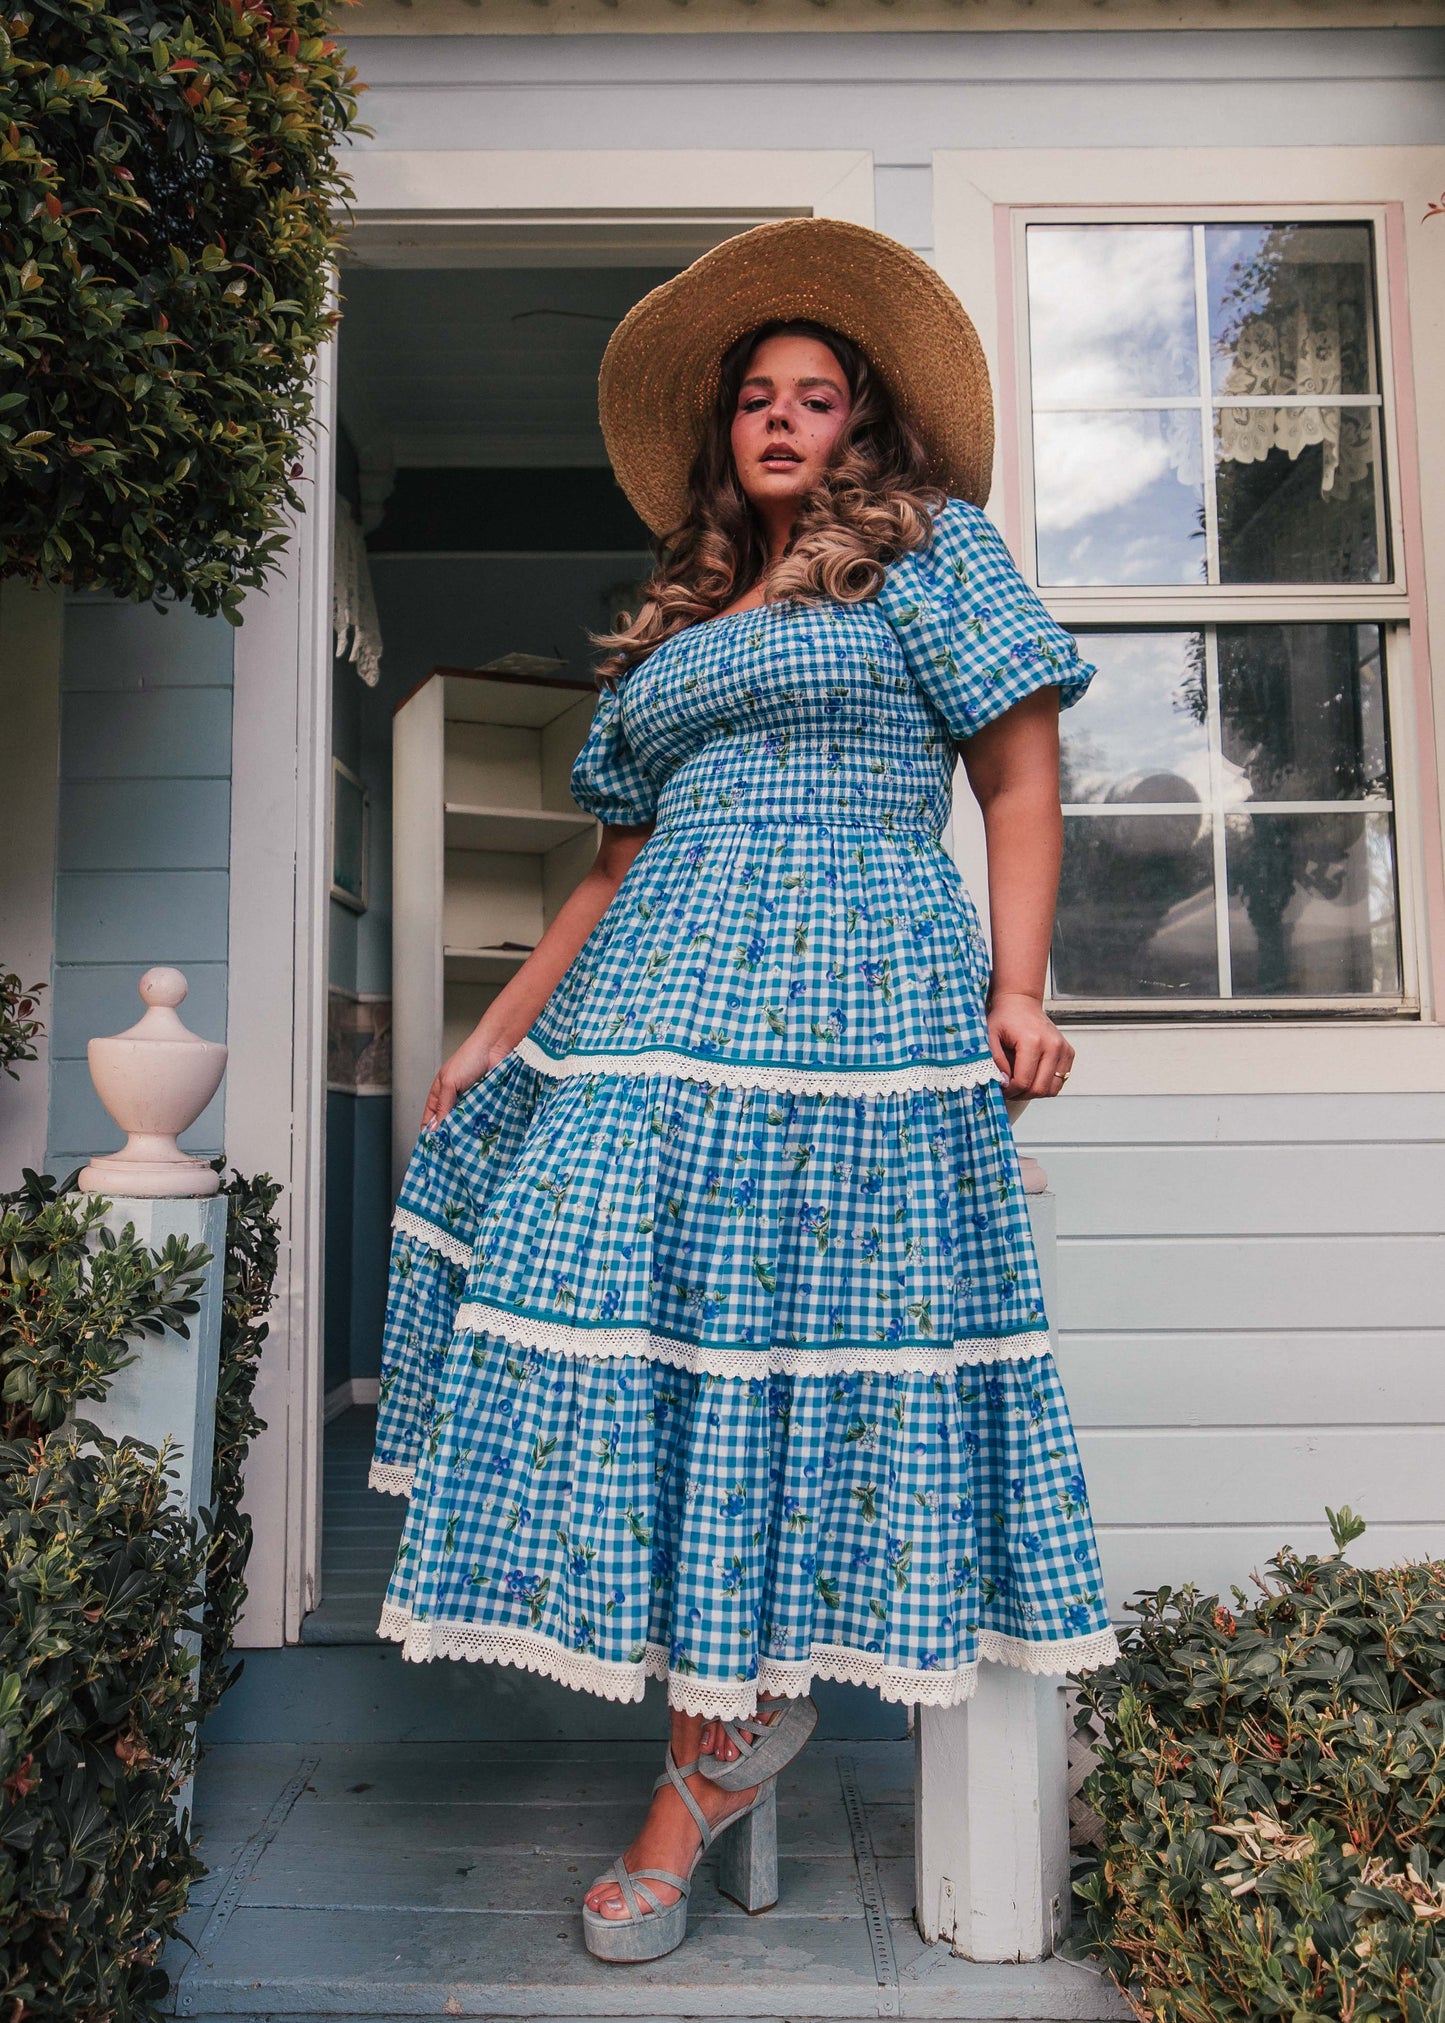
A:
(445, 1879)
(359, 1534)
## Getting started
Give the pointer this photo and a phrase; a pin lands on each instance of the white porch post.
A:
(991, 1816)
(155, 1079)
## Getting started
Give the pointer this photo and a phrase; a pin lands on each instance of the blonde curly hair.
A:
(874, 504)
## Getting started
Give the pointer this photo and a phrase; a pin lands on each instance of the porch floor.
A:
(360, 1531)
(444, 1879)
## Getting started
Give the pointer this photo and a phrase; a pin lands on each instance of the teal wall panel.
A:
(120, 646)
(151, 734)
(340, 1168)
(143, 843)
(370, 1230)
(126, 825)
(144, 916)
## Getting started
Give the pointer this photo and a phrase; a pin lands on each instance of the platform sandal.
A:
(747, 1873)
(777, 1742)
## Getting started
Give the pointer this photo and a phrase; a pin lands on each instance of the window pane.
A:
(1119, 497)
(1300, 494)
(1111, 311)
(1291, 308)
(1140, 731)
(1302, 712)
(1136, 908)
(1312, 905)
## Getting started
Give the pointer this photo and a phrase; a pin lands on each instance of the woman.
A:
(716, 1348)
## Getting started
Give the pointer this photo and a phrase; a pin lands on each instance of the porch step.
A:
(401, 1880)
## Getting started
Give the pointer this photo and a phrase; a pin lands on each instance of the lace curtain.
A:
(353, 606)
(1309, 340)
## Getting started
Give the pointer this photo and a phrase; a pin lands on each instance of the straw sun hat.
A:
(659, 378)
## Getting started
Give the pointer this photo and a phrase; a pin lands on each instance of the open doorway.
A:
(487, 538)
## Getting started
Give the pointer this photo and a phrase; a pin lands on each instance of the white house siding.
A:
(143, 843)
(1251, 1322)
(1250, 1294)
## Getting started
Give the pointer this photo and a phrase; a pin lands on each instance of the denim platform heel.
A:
(748, 1874)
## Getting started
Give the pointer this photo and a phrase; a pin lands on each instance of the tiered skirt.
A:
(716, 1349)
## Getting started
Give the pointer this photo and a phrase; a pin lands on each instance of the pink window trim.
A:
(1411, 536)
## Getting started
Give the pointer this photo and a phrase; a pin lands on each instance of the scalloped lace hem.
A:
(405, 1223)
(716, 1700)
(390, 1478)
(786, 1080)
(781, 1359)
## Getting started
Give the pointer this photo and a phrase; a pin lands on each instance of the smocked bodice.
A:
(794, 923)
(789, 714)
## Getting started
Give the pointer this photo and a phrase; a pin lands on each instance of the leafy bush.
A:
(19, 1025)
(99, 1572)
(1272, 1790)
(252, 1233)
(169, 175)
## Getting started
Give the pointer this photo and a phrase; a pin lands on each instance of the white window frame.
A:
(1082, 604)
(1203, 606)
(983, 201)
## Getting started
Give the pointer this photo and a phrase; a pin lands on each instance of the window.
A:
(1211, 513)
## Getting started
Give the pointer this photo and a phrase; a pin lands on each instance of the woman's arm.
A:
(1013, 768)
(517, 1004)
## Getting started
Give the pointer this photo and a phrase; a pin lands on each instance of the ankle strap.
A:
(673, 1776)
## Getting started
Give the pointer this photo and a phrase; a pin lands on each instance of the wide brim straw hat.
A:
(659, 378)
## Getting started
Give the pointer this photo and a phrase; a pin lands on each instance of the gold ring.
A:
(1062, 1074)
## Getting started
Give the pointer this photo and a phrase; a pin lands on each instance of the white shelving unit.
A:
(486, 844)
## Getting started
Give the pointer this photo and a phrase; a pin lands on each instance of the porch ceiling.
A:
(469, 366)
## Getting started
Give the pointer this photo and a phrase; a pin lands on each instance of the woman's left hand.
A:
(1027, 1045)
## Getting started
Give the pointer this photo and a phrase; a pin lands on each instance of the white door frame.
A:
(511, 207)
(276, 1014)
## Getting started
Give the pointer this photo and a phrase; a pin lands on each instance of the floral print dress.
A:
(715, 1348)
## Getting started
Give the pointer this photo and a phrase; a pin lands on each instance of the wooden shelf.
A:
(483, 965)
(492, 754)
(529, 832)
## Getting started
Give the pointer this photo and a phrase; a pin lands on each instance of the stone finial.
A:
(154, 1079)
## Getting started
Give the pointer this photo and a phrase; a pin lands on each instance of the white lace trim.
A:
(1066, 1654)
(790, 1080)
(432, 1235)
(715, 1701)
(390, 1478)
(781, 1359)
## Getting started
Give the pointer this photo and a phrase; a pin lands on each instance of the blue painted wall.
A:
(143, 848)
(358, 1128)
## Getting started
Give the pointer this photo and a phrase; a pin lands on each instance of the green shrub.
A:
(1272, 1790)
(99, 1601)
(19, 1025)
(167, 179)
(252, 1234)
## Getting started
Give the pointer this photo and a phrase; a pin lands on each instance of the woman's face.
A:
(791, 409)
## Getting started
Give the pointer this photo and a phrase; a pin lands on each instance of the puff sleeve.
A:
(975, 636)
(608, 779)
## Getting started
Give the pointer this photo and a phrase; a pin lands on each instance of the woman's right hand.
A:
(476, 1056)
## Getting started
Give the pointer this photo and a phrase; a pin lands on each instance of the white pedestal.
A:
(169, 1391)
(991, 1796)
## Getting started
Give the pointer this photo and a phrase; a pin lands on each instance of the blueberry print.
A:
(715, 1346)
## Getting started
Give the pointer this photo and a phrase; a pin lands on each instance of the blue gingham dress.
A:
(715, 1348)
